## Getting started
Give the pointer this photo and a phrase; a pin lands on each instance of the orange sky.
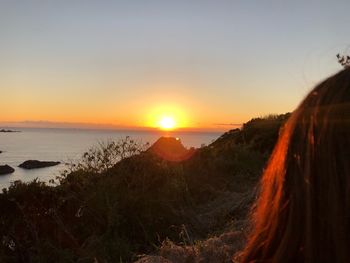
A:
(127, 65)
(138, 104)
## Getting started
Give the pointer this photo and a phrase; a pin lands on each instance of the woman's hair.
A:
(303, 210)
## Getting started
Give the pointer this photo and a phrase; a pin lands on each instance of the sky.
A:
(209, 64)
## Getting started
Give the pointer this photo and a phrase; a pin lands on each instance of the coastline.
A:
(66, 145)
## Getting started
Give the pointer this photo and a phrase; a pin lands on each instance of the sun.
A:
(166, 117)
(167, 123)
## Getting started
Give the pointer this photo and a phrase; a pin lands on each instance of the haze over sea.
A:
(66, 145)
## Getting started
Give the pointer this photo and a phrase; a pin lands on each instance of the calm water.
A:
(69, 144)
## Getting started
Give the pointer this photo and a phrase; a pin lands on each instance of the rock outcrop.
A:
(6, 169)
(33, 164)
(171, 149)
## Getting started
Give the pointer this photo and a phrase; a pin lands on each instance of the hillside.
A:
(122, 201)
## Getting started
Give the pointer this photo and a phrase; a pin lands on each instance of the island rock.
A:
(6, 169)
(33, 164)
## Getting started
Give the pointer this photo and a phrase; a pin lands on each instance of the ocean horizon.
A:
(68, 145)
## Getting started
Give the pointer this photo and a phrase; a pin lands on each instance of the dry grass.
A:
(213, 250)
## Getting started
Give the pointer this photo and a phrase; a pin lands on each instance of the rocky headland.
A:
(171, 149)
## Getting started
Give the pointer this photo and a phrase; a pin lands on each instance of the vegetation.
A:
(122, 200)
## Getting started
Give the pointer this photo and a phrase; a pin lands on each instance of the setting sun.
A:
(167, 123)
(167, 117)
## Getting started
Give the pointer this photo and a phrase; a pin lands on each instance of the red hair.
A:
(303, 210)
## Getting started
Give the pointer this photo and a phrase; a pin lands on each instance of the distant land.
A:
(6, 130)
(218, 127)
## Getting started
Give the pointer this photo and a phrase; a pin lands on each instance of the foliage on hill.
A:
(121, 201)
(260, 134)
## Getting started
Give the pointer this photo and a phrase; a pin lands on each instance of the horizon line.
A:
(107, 126)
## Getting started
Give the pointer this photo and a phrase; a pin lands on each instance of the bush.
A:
(105, 155)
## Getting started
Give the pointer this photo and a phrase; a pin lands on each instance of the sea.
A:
(68, 145)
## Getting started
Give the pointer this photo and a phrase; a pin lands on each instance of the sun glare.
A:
(166, 117)
(167, 123)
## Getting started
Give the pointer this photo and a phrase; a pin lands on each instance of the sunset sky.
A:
(208, 64)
